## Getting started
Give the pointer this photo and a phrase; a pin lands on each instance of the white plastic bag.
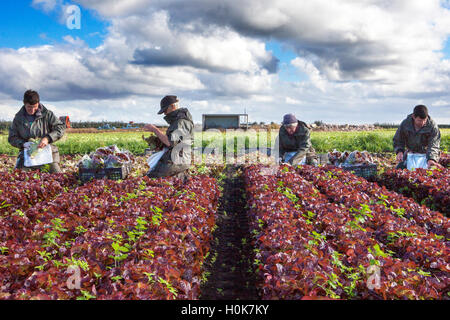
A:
(416, 160)
(154, 158)
(85, 162)
(44, 156)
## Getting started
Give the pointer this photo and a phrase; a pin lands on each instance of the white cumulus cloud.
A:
(367, 55)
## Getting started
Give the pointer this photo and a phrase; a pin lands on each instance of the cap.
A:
(289, 119)
(166, 102)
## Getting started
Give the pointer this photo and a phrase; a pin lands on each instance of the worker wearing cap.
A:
(418, 133)
(35, 121)
(177, 139)
(295, 143)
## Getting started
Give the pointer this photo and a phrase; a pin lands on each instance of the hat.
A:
(166, 102)
(289, 119)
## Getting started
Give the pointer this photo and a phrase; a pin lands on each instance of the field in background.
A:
(377, 141)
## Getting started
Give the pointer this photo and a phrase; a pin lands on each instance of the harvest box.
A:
(101, 173)
(362, 170)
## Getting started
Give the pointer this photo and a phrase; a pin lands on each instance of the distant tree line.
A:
(95, 124)
(4, 125)
(395, 126)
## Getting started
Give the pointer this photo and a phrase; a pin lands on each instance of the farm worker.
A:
(418, 133)
(35, 121)
(178, 139)
(295, 143)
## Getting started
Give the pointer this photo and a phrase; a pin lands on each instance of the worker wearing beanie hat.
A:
(295, 143)
(177, 139)
(289, 120)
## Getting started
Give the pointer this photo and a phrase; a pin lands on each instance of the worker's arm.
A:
(14, 138)
(304, 146)
(161, 136)
(57, 128)
(399, 143)
(433, 146)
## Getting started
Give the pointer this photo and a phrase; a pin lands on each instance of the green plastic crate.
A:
(104, 173)
(365, 170)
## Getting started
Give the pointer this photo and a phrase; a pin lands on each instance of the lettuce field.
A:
(226, 232)
(81, 143)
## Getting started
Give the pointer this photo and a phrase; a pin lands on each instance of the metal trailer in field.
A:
(225, 121)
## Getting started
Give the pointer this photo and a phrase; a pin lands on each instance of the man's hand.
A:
(44, 142)
(432, 163)
(164, 139)
(151, 128)
(400, 157)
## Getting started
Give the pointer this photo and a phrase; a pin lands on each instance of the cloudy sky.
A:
(339, 61)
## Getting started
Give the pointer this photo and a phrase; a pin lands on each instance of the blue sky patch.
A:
(22, 25)
(446, 49)
(287, 72)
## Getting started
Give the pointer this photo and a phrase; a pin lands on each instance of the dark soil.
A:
(229, 264)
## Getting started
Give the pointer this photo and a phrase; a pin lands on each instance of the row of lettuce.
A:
(134, 239)
(427, 187)
(323, 232)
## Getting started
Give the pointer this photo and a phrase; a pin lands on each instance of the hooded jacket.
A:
(299, 142)
(426, 140)
(181, 126)
(45, 124)
(181, 136)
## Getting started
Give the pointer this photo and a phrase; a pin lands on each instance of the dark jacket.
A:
(46, 124)
(181, 136)
(299, 142)
(181, 126)
(426, 141)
